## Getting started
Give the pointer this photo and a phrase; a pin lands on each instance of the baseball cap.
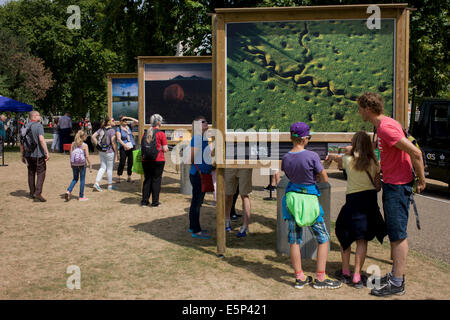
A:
(299, 130)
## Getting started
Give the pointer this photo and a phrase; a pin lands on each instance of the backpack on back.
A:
(27, 139)
(149, 149)
(78, 158)
(103, 144)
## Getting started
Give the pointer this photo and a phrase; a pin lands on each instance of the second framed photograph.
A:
(177, 88)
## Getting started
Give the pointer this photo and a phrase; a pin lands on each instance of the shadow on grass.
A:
(20, 194)
(180, 236)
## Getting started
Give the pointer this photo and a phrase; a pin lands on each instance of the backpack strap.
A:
(411, 198)
(375, 141)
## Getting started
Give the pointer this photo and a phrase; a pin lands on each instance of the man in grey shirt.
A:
(65, 127)
(36, 160)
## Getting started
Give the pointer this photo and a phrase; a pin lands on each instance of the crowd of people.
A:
(360, 219)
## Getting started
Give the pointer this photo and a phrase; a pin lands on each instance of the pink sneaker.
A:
(83, 199)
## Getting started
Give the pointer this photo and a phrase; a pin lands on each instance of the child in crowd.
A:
(79, 156)
(360, 219)
(302, 167)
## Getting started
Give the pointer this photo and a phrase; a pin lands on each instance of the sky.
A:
(171, 70)
(2, 2)
(127, 85)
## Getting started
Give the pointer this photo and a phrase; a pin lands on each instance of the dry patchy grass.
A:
(125, 251)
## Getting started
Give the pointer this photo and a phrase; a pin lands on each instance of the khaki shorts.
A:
(241, 177)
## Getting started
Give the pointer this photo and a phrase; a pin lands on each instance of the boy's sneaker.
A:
(389, 289)
(97, 187)
(111, 187)
(83, 199)
(227, 227)
(384, 280)
(242, 232)
(67, 196)
(327, 283)
(299, 284)
(342, 277)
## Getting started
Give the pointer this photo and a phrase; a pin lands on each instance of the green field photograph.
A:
(311, 71)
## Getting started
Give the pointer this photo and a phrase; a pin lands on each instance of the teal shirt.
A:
(2, 130)
(203, 158)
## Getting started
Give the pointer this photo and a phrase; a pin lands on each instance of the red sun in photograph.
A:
(173, 93)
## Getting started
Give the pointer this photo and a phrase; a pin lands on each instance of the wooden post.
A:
(220, 211)
(218, 28)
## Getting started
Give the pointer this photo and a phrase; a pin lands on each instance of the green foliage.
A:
(114, 32)
(22, 76)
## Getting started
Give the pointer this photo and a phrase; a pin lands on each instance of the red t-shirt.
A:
(395, 163)
(161, 140)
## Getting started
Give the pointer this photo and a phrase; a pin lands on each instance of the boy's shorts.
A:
(241, 177)
(319, 230)
(396, 202)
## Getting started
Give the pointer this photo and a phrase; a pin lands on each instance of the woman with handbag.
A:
(153, 164)
(124, 136)
(360, 219)
(199, 173)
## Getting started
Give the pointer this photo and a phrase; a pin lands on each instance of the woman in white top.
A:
(105, 139)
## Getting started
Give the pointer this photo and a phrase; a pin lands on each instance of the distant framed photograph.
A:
(123, 95)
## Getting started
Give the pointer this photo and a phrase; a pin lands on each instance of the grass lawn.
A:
(125, 251)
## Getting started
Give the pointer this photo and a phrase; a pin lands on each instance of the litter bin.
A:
(185, 183)
(308, 248)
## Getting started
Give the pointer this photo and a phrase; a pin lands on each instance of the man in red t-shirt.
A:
(397, 156)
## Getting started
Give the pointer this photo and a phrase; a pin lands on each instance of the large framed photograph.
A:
(123, 95)
(282, 72)
(177, 88)
(276, 66)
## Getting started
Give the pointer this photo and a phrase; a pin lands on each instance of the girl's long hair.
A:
(154, 121)
(362, 152)
(106, 121)
(80, 137)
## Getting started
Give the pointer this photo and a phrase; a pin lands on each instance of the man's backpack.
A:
(78, 158)
(27, 139)
(102, 144)
(149, 149)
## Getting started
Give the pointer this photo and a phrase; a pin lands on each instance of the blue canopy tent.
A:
(11, 105)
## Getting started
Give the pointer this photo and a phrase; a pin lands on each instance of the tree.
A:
(22, 76)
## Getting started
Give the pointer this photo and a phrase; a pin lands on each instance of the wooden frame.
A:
(110, 77)
(142, 61)
(399, 12)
